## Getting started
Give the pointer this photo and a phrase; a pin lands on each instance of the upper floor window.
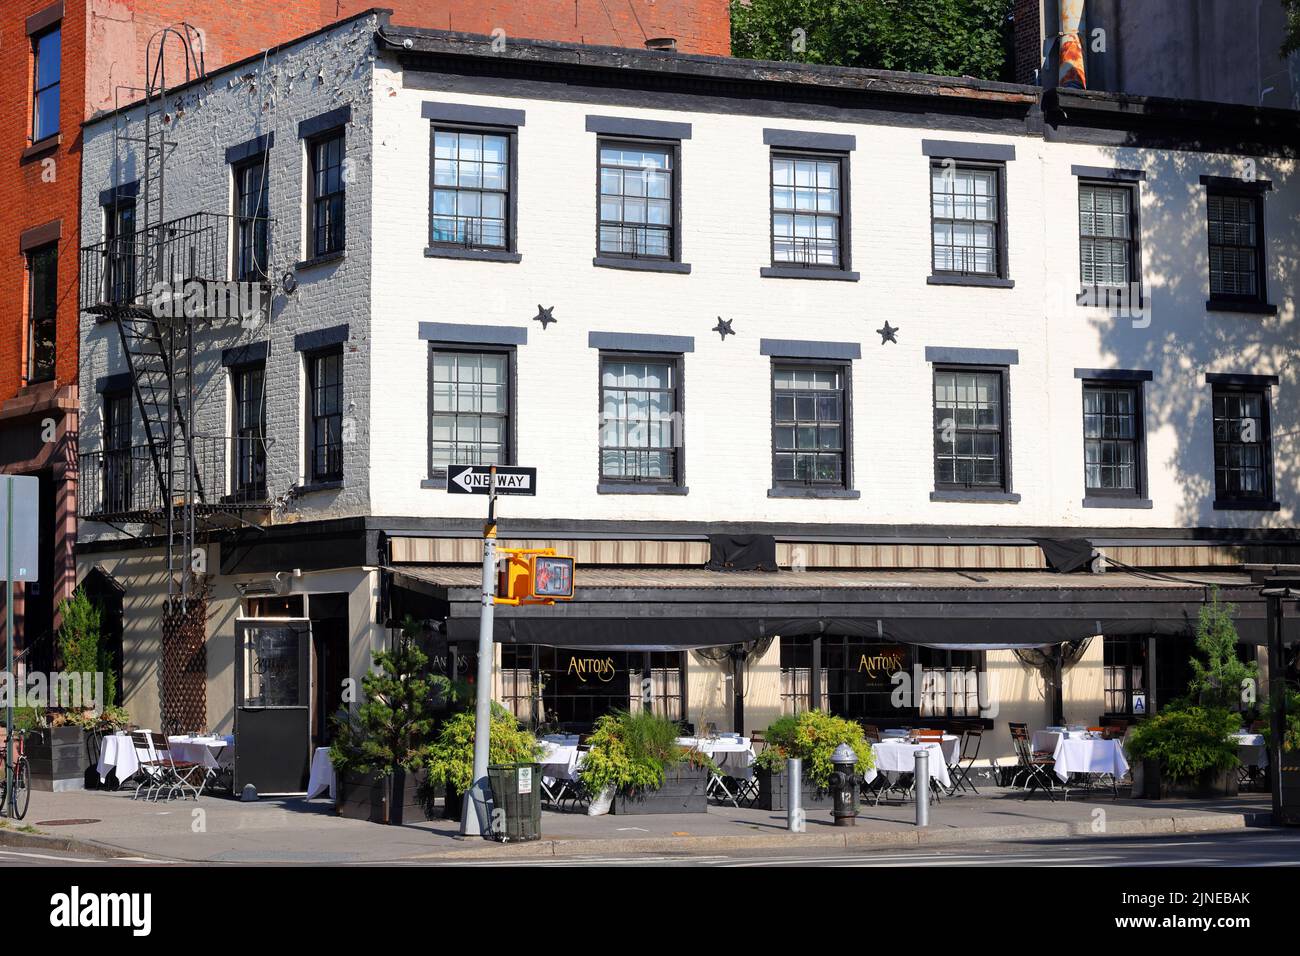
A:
(639, 402)
(1112, 438)
(249, 425)
(472, 182)
(1236, 244)
(1107, 235)
(966, 215)
(637, 189)
(252, 213)
(808, 210)
(119, 235)
(117, 468)
(48, 55)
(326, 207)
(969, 429)
(469, 409)
(1243, 457)
(325, 415)
(42, 309)
(809, 442)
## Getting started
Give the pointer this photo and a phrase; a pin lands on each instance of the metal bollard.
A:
(794, 817)
(922, 787)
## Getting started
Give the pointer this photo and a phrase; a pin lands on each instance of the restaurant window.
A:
(859, 677)
(639, 434)
(809, 426)
(949, 682)
(252, 214)
(472, 182)
(249, 426)
(328, 194)
(797, 675)
(1107, 235)
(119, 236)
(809, 216)
(518, 687)
(47, 67)
(117, 452)
(42, 309)
(1112, 438)
(1243, 458)
(638, 184)
(969, 429)
(1236, 244)
(575, 686)
(469, 409)
(1124, 671)
(966, 219)
(663, 694)
(325, 415)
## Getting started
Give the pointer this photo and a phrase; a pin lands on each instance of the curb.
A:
(875, 839)
(41, 841)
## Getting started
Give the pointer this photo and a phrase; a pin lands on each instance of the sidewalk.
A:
(294, 830)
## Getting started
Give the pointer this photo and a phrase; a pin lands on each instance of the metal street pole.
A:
(9, 640)
(1276, 697)
(477, 798)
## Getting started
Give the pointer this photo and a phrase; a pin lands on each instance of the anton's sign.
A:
(880, 662)
(594, 668)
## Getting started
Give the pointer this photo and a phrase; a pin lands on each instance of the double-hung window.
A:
(119, 236)
(1113, 458)
(969, 429)
(325, 415)
(252, 213)
(42, 309)
(327, 201)
(249, 425)
(638, 183)
(1243, 456)
(472, 181)
(47, 66)
(809, 215)
(1107, 235)
(640, 400)
(967, 219)
(1236, 234)
(469, 408)
(809, 425)
(117, 452)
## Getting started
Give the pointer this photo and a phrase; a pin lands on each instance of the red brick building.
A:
(62, 61)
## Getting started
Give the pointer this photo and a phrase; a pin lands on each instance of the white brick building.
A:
(923, 532)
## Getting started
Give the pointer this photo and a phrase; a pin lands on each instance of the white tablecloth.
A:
(210, 752)
(1252, 751)
(560, 758)
(1082, 755)
(733, 755)
(322, 774)
(900, 757)
(117, 753)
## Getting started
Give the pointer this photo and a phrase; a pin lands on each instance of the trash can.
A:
(516, 803)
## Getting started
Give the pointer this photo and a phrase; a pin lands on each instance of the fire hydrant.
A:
(844, 786)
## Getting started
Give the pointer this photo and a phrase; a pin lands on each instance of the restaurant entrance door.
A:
(272, 705)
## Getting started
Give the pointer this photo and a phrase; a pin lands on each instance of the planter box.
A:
(772, 792)
(390, 800)
(58, 757)
(1209, 786)
(683, 791)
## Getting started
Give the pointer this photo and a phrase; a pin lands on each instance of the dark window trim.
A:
(1114, 374)
(248, 150)
(121, 382)
(249, 354)
(944, 491)
(459, 334)
(1247, 384)
(318, 126)
(968, 152)
(1134, 188)
(1002, 279)
(648, 263)
(42, 20)
(459, 114)
(640, 342)
(317, 481)
(1257, 303)
(42, 235)
(1140, 484)
(677, 484)
(437, 477)
(123, 193)
(1108, 174)
(319, 339)
(799, 489)
(315, 139)
(807, 349)
(456, 250)
(803, 140)
(945, 355)
(791, 270)
(625, 126)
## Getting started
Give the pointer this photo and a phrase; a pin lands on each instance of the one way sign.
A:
(473, 480)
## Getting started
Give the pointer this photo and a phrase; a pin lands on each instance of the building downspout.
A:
(1070, 71)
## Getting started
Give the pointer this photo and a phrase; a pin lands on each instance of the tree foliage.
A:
(1291, 41)
(80, 643)
(945, 37)
(450, 758)
(1219, 678)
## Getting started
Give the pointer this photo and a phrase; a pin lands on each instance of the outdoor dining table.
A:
(117, 755)
(321, 778)
(559, 764)
(896, 755)
(1252, 750)
(1085, 754)
(211, 752)
(734, 757)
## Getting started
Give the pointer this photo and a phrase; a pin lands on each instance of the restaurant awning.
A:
(695, 607)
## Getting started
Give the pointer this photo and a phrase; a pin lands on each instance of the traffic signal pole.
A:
(477, 799)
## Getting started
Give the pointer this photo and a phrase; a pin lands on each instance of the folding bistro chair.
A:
(177, 777)
(148, 770)
(1036, 766)
(959, 769)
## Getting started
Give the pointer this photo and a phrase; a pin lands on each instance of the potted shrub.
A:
(1186, 752)
(449, 760)
(636, 757)
(378, 752)
(812, 736)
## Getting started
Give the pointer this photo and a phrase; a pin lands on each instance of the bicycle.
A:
(16, 802)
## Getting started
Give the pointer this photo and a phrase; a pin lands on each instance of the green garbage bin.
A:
(516, 802)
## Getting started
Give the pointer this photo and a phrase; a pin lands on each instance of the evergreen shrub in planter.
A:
(811, 736)
(637, 757)
(1186, 752)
